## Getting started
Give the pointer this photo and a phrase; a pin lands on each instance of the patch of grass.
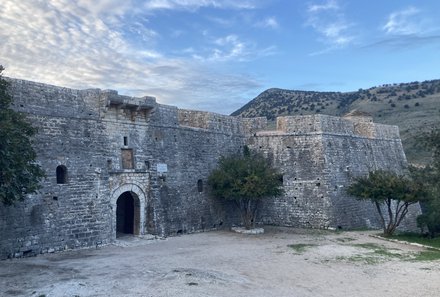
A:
(417, 238)
(368, 259)
(376, 254)
(430, 254)
(345, 239)
(300, 247)
(369, 246)
(387, 253)
(379, 250)
(427, 255)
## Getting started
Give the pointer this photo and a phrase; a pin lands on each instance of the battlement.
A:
(350, 126)
(44, 99)
(220, 123)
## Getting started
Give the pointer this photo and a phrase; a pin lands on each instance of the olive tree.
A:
(392, 194)
(245, 179)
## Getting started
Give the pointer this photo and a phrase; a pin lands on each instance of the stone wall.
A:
(112, 144)
(319, 157)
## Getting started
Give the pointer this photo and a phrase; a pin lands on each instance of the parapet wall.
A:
(335, 125)
(220, 123)
(44, 99)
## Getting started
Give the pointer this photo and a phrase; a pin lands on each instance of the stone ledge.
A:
(246, 231)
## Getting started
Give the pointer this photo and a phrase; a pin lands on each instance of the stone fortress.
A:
(116, 164)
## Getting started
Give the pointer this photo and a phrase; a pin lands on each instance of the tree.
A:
(429, 176)
(388, 189)
(19, 174)
(245, 180)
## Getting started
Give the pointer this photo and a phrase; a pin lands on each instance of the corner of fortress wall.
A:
(319, 156)
(171, 152)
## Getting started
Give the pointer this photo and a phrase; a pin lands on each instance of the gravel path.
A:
(281, 262)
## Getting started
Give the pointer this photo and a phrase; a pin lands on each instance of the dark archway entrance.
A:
(127, 214)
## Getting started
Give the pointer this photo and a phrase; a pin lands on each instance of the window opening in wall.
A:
(127, 159)
(147, 165)
(281, 179)
(125, 140)
(109, 164)
(200, 185)
(61, 172)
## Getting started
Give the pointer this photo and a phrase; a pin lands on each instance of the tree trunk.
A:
(248, 212)
(394, 218)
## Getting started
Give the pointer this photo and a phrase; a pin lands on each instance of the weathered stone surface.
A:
(89, 132)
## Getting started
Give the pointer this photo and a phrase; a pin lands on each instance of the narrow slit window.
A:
(125, 140)
(61, 172)
(200, 185)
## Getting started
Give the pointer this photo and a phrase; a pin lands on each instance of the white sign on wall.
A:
(162, 168)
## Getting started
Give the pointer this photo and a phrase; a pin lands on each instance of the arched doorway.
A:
(127, 214)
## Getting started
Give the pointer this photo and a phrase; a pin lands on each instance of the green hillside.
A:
(414, 107)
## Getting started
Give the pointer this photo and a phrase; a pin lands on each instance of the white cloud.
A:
(403, 22)
(82, 44)
(196, 4)
(232, 48)
(329, 5)
(270, 22)
(330, 23)
(336, 33)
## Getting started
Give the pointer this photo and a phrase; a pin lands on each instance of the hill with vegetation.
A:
(414, 107)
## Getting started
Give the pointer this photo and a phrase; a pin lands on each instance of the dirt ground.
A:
(281, 262)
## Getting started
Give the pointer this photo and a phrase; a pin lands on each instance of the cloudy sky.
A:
(217, 55)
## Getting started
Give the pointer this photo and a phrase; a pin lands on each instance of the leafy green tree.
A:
(19, 174)
(392, 194)
(429, 176)
(245, 180)
(432, 142)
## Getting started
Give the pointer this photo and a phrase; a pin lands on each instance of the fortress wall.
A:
(351, 157)
(386, 132)
(80, 212)
(298, 124)
(164, 116)
(253, 125)
(332, 153)
(315, 123)
(191, 155)
(209, 121)
(355, 126)
(89, 132)
(60, 216)
(347, 158)
(174, 203)
(301, 161)
(220, 123)
(195, 119)
(44, 99)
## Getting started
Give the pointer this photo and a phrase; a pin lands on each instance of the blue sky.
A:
(217, 55)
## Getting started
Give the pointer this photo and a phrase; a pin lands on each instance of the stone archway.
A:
(128, 215)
